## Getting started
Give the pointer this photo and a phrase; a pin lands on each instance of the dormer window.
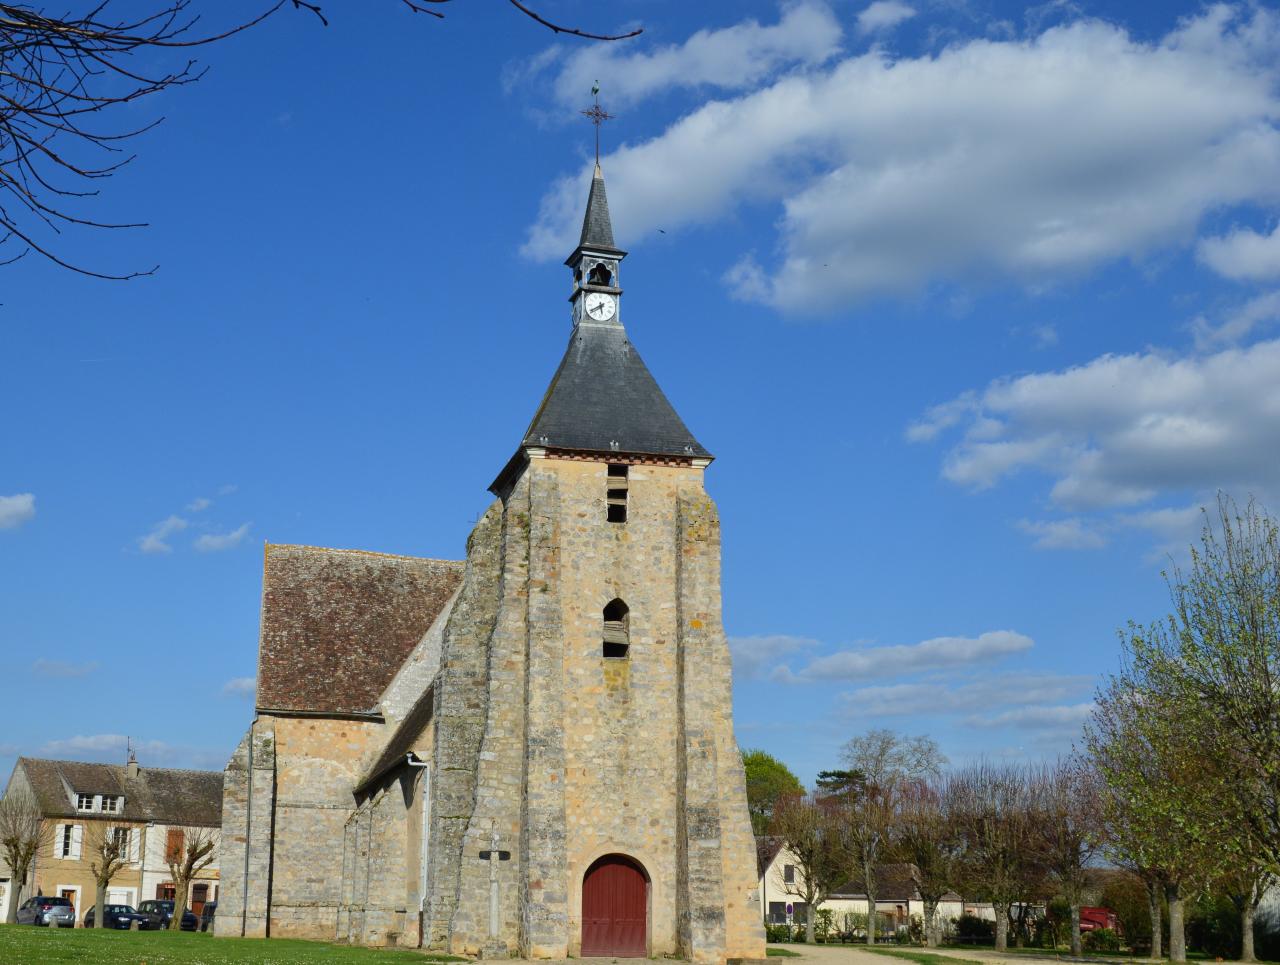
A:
(84, 802)
(616, 494)
(617, 631)
(600, 274)
(112, 803)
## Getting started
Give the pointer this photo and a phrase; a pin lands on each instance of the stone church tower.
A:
(552, 769)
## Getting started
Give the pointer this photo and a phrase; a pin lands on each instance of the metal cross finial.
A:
(598, 116)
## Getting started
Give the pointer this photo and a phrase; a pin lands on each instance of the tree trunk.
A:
(15, 899)
(1157, 926)
(1001, 908)
(1077, 947)
(868, 873)
(1246, 930)
(930, 914)
(99, 900)
(1177, 933)
(182, 890)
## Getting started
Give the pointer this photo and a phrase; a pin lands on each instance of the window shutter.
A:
(133, 844)
(58, 840)
(77, 836)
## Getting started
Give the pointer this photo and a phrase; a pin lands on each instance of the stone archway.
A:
(615, 909)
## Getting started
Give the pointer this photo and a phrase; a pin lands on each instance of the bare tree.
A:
(810, 830)
(1067, 837)
(992, 805)
(929, 841)
(187, 857)
(883, 762)
(107, 846)
(23, 832)
(64, 81)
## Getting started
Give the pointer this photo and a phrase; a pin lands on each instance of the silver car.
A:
(47, 910)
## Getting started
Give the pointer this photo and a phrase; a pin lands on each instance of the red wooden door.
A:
(615, 901)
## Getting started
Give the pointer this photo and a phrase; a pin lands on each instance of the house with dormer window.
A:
(147, 810)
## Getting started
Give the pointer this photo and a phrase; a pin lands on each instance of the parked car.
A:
(117, 916)
(206, 915)
(47, 910)
(159, 912)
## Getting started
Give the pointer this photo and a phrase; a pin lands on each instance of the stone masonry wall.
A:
(724, 914)
(248, 811)
(460, 710)
(318, 763)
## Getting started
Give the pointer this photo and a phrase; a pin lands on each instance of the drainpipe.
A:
(424, 846)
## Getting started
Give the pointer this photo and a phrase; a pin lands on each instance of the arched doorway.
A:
(615, 909)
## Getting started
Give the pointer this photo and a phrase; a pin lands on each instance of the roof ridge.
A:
(141, 767)
(360, 552)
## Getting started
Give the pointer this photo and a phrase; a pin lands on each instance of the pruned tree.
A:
(67, 81)
(878, 764)
(107, 847)
(1068, 830)
(768, 781)
(992, 807)
(810, 830)
(928, 839)
(23, 832)
(188, 853)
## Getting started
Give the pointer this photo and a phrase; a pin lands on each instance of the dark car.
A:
(117, 916)
(47, 910)
(159, 912)
(206, 915)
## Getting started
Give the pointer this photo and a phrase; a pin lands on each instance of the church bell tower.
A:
(588, 796)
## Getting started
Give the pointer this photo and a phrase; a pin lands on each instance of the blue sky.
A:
(974, 301)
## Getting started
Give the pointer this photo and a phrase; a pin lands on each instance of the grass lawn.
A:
(919, 957)
(773, 952)
(23, 945)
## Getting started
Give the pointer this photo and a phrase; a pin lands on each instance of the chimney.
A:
(131, 768)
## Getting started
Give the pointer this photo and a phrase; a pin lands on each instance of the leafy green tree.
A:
(768, 782)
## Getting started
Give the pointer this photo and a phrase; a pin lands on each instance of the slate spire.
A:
(603, 398)
(597, 230)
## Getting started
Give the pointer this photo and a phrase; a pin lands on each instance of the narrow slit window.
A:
(617, 631)
(616, 494)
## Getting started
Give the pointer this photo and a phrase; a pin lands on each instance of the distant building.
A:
(150, 808)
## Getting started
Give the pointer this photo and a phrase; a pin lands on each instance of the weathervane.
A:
(597, 115)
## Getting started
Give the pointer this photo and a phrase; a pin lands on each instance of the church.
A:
(529, 752)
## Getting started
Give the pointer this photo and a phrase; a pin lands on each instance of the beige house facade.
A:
(782, 883)
(149, 809)
(530, 751)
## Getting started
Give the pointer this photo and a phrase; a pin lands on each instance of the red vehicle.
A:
(1094, 918)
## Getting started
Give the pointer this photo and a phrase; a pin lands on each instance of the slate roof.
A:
(893, 883)
(604, 399)
(161, 794)
(597, 227)
(337, 624)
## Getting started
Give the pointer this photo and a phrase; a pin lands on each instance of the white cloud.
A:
(1058, 719)
(240, 687)
(156, 541)
(199, 504)
(936, 697)
(1030, 159)
(732, 58)
(1062, 534)
(1243, 255)
(883, 15)
(111, 748)
(16, 510)
(1122, 430)
(752, 654)
(860, 663)
(216, 542)
(1239, 322)
(63, 668)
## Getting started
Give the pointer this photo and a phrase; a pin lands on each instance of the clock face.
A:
(600, 306)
